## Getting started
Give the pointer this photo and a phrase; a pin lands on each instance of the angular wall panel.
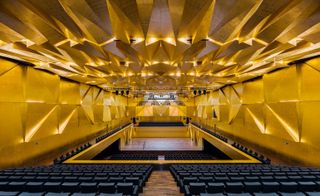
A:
(11, 83)
(41, 87)
(278, 111)
(281, 85)
(42, 113)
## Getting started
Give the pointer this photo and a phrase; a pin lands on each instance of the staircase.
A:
(161, 183)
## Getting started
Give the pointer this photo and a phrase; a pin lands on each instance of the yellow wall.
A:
(279, 111)
(42, 113)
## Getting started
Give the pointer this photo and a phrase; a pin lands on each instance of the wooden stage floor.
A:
(161, 144)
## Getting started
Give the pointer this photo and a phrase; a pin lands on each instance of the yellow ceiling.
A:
(159, 44)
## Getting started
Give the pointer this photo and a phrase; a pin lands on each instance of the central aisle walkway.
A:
(161, 183)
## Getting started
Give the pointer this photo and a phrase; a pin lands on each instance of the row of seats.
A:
(245, 178)
(70, 154)
(98, 139)
(221, 137)
(262, 194)
(167, 155)
(256, 155)
(122, 178)
(15, 193)
(131, 156)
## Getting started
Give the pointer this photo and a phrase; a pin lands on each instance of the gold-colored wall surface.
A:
(42, 113)
(279, 111)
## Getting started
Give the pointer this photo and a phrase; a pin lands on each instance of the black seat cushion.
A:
(215, 187)
(107, 187)
(197, 187)
(125, 188)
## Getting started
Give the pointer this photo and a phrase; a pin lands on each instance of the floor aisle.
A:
(161, 183)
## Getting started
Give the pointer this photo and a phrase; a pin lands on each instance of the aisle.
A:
(161, 183)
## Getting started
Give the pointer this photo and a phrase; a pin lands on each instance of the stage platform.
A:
(161, 144)
(88, 155)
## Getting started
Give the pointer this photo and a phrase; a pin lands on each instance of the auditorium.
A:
(159, 97)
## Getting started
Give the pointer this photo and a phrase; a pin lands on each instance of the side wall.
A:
(279, 111)
(42, 113)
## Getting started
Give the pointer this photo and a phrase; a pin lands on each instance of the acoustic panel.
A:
(42, 112)
(277, 111)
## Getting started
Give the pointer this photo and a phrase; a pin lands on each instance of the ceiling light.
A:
(106, 42)
(215, 41)
(151, 40)
(185, 40)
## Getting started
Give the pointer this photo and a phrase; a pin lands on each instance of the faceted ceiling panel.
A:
(159, 44)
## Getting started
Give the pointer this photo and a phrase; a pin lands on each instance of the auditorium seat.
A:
(250, 179)
(153, 155)
(107, 187)
(127, 188)
(75, 179)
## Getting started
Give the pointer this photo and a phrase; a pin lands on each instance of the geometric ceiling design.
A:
(159, 44)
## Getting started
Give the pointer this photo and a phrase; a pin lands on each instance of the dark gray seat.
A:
(70, 187)
(107, 187)
(212, 194)
(127, 188)
(52, 186)
(16, 186)
(34, 187)
(116, 179)
(4, 193)
(288, 187)
(268, 187)
(88, 187)
(57, 194)
(292, 194)
(83, 194)
(265, 194)
(4, 186)
(252, 186)
(30, 194)
(205, 179)
(313, 193)
(110, 194)
(238, 194)
(187, 180)
(197, 187)
(215, 187)
(307, 186)
(134, 180)
(234, 187)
